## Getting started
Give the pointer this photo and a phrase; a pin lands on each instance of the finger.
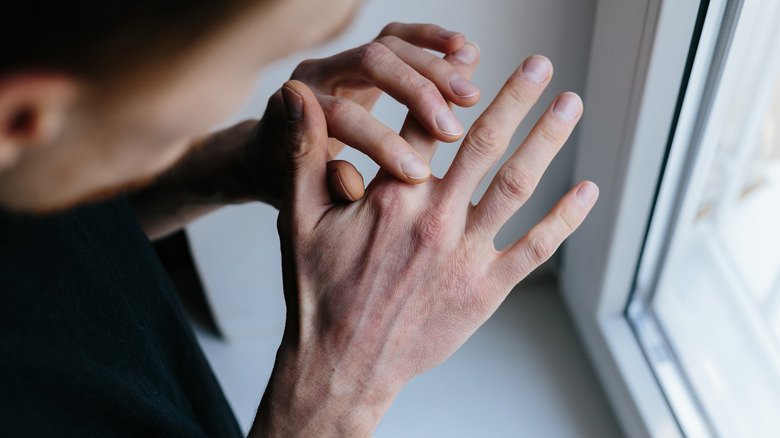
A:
(533, 249)
(307, 150)
(344, 181)
(334, 148)
(428, 36)
(465, 62)
(488, 137)
(352, 124)
(454, 87)
(518, 177)
(375, 64)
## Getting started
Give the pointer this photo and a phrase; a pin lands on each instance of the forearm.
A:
(213, 173)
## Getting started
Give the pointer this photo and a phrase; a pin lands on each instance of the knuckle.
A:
(431, 230)
(516, 184)
(388, 201)
(304, 70)
(388, 40)
(485, 141)
(549, 136)
(516, 93)
(390, 28)
(338, 109)
(430, 30)
(541, 247)
(440, 67)
(423, 89)
(372, 54)
(297, 151)
(387, 141)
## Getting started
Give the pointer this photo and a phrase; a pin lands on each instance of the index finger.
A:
(465, 61)
(428, 36)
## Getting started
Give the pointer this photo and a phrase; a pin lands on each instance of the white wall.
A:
(236, 249)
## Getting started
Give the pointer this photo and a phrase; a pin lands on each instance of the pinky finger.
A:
(541, 242)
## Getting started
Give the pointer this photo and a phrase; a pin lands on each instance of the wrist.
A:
(310, 395)
(212, 172)
(261, 166)
(234, 178)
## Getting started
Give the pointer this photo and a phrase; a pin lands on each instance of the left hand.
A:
(347, 86)
(385, 288)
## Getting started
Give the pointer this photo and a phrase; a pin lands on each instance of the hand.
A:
(385, 288)
(347, 86)
(247, 162)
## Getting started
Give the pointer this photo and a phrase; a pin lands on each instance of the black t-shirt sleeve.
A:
(92, 338)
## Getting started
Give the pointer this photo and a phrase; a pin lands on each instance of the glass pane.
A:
(716, 301)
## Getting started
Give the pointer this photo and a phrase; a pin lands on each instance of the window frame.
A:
(639, 62)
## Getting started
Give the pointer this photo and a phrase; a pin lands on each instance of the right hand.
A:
(387, 287)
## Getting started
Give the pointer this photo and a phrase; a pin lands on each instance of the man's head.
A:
(98, 95)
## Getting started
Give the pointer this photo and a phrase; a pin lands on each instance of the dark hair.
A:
(96, 39)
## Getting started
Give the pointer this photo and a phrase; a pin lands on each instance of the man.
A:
(102, 99)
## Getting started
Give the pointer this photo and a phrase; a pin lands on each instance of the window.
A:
(706, 297)
(675, 283)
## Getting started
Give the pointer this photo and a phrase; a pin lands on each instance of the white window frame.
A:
(638, 60)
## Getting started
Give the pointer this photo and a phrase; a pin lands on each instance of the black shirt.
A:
(92, 338)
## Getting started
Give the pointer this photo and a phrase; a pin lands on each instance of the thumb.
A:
(306, 187)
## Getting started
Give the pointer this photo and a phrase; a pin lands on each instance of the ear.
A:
(32, 109)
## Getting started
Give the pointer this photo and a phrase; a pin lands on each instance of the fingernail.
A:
(447, 122)
(587, 194)
(537, 68)
(448, 34)
(414, 167)
(337, 177)
(293, 104)
(462, 87)
(468, 53)
(567, 107)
